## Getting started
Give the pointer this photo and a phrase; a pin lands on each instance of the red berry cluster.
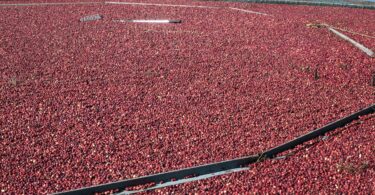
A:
(85, 103)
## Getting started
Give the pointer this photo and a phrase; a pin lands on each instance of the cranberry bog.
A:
(90, 97)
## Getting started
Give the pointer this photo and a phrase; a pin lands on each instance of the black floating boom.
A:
(219, 166)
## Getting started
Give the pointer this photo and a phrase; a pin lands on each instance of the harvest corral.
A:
(90, 103)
